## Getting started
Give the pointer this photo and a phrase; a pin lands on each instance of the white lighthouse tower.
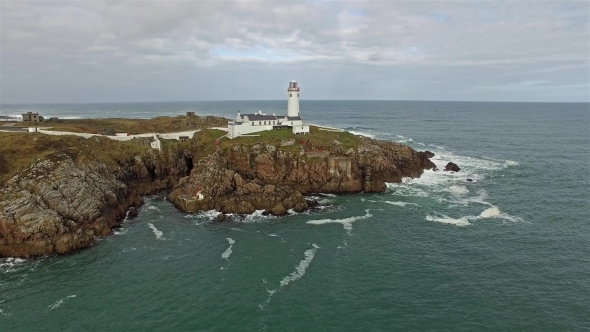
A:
(293, 101)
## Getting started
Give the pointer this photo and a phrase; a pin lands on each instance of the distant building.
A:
(32, 117)
(251, 123)
(190, 113)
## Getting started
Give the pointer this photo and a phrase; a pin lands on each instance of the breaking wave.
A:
(58, 303)
(346, 222)
(157, 232)
(360, 133)
(11, 264)
(492, 212)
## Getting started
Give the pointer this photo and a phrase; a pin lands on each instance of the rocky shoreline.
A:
(64, 200)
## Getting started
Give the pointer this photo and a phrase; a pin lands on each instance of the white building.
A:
(245, 124)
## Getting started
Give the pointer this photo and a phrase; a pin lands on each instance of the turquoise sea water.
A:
(508, 251)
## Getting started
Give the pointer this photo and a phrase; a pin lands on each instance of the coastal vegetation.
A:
(134, 126)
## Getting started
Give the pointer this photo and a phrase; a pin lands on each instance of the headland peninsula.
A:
(59, 192)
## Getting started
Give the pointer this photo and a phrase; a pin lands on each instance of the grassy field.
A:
(19, 150)
(317, 138)
(135, 126)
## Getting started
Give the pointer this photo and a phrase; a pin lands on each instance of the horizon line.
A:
(249, 100)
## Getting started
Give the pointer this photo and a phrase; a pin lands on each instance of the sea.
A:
(507, 251)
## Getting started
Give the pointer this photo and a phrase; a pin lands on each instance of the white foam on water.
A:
(11, 264)
(120, 231)
(157, 232)
(272, 234)
(458, 190)
(494, 212)
(151, 207)
(346, 222)
(228, 251)
(301, 268)
(360, 133)
(463, 221)
(58, 303)
(402, 204)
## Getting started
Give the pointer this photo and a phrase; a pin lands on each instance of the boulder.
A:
(428, 154)
(452, 167)
(131, 213)
(278, 210)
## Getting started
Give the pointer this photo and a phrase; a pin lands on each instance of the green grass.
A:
(135, 126)
(19, 150)
(319, 139)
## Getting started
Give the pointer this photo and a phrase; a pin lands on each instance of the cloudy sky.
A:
(93, 51)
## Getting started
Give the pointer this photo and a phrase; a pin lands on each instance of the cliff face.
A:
(61, 203)
(242, 179)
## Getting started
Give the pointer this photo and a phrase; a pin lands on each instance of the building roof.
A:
(293, 118)
(259, 117)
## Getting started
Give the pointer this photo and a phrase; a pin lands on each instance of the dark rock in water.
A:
(452, 167)
(131, 213)
(470, 180)
(221, 217)
(428, 154)
(312, 203)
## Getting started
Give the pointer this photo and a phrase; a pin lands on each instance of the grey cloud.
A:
(159, 50)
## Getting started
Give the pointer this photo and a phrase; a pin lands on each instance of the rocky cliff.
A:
(76, 189)
(65, 199)
(241, 178)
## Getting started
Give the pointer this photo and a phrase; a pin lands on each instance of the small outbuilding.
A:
(32, 117)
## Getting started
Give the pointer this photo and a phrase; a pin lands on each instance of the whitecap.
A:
(157, 232)
(463, 221)
(301, 268)
(402, 204)
(228, 251)
(58, 303)
(346, 222)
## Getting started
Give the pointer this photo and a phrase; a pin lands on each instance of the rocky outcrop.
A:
(61, 203)
(452, 167)
(241, 179)
(65, 200)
